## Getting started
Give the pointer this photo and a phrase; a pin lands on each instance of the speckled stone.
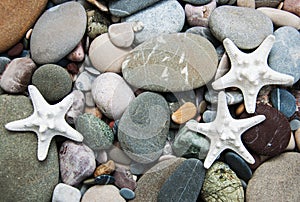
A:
(144, 127)
(100, 193)
(16, 18)
(246, 27)
(22, 176)
(292, 6)
(284, 56)
(97, 23)
(222, 184)
(185, 183)
(77, 107)
(180, 62)
(65, 25)
(284, 101)
(170, 20)
(276, 180)
(48, 76)
(64, 193)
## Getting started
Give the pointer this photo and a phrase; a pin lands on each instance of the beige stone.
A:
(240, 109)
(101, 193)
(292, 143)
(186, 112)
(121, 34)
(297, 138)
(246, 3)
(105, 169)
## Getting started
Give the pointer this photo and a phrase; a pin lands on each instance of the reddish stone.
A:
(72, 68)
(15, 50)
(292, 6)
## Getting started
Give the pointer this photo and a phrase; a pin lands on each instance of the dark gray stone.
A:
(127, 194)
(204, 32)
(104, 179)
(197, 2)
(22, 176)
(284, 101)
(3, 62)
(267, 3)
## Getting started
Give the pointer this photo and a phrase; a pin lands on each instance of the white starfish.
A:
(46, 121)
(225, 132)
(250, 72)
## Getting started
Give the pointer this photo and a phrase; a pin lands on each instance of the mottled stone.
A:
(65, 25)
(65, 193)
(222, 184)
(105, 168)
(97, 23)
(284, 101)
(144, 127)
(204, 32)
(176, 62)
(185, 183)
(22, 176)
(246, 27)
(267, 3)
(77, 107)
(123, 179)
(48, 76)
(77, 55)
(276, 180)
(100, 193)
(127, 194)
(292, 6)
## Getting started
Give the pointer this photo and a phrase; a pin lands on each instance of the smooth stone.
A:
(151, 182)
(65, 25)
(97, 134)
(209, 116)
(284, 101)
(16, 19)
(122, 8)
(105, 168)
(276, 180)
(123, 179)
(232, 97)
(246, 27)
(77, 162)
(170, 20)
(297, 138)
(238, 165)
(109, 60)
(4, 61)
(292, 6)
(144, 127)
(17, 75)
(89, 100)
(100, 193)
(101, 157)
(84, 81)
(121, 34)
(118, 155)
(65, 193)
(184, 183)
(180, 62)
(197, 2)
(284, 56)
(267, 3)
(22, 176)
(77, 108)
(292, 143)
(50, 75)
(222, 184)
(97, 23)
(271, 137)
(204, 32)
(112, 94)
(16, 50)
(104, 179)
(294, 124)
(246, 3)
(226, 2)
(77, 55)
(186, 112)
(127, 194)
(190, 143)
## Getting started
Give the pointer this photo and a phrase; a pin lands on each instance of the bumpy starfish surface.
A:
(225, 132)
(46, 121)
(250, 72)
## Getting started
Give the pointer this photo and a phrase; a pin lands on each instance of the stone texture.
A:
(22, 176)
(97, 23)
(65, 193)
(124, 179)
(197, 2)
(121, 34)
(267, 3)
(246, 27)
(144, 127)
(77, 107)
(65, 25)
(284, 101)
(16, 18)
(100, 193)
(276, 180)
(204, 32)
(292, 6)
(176, 62)
(105, 169)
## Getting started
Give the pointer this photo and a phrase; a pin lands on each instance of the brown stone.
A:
(16, 18)
(186, 112)
(105, 169)
(292, 6)
(246, 3)
(15, 50)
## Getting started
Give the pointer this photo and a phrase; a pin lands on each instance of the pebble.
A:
(84, 81)
(97, 23)
(99, 193)
(292, 144)
(246, 3)
(170, 20)
(297, 138)
(127, 194)
(232, 97)
(89, 101)
(77, 55)
(204, 32)
(284, 56)
(77, 162)
(109, 60)
(267, 3)
(185, 112)
(17, 75)
(121, 34)
(4, 61)
(97, 134)
(104, 180)
(284, 101)
(184, 183)
(246, 27)
(118, 155)
(101, 156)
(177, 59)
(222, 184)
(279, 185)
(112, 94)
(94, 111)
(209, 116)
(271, 137)
(77, 107)
(144, 127)
(65, 193)
(198, 2)
(123, 179)
(105, 168)
(16, 50)
(49, 75)
(292, 6)
(294, 124)
(16, 19)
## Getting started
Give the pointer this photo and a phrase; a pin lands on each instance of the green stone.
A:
(22, 176)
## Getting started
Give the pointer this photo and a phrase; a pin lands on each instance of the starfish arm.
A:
(202, 128)
(67, 131)
(43, 146)
(274, 77)
(231, 50)
(245, 124)
(65, 104)
(250, 96)
(264, 48)
(21, 125)
(228, 80)
(37, 99)
(212, 155)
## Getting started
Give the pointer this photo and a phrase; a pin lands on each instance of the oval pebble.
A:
(127, 194)
(84, 81)
(77, 107)
(100, 193)
(283, 101)
(121, 34)
(104, 179)
(64, 192)
(295, 124)
(209, 116)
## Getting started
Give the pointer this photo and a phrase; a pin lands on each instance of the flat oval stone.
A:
(127, 194)
(104, 179)
(185, 112)
(170, 20)
(270, 137)
(284, 56)
(267, 3)
(144, 127)
(65, 25)
(16, 18)
(176, 62)
(246, 27)
(197, 2)
(121, 34)
(184, 183)
(284, 101)
(209, 116)
(100, 193)
(64, 192)
(276, 179)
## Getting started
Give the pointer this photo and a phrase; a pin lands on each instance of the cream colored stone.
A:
(101, 193)
(292, 143)
(121, 34)
(186, 112)
(246, 3)
(297, 138)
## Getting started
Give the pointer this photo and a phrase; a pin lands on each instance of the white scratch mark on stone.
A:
(182, 57)
(186, 73)
(165, 73)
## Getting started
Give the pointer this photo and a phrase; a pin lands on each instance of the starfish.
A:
(225, 132)
(250, 72)
(46, 121)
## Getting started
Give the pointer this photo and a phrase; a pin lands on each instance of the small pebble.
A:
(77, 55)
(240, 109)
(77, 107)
(127, 194)
(292, 144)
(283, 101)
(124, 179)
(105, 169)
(101, 193)
(104, 179)
(72, 68)
(295, 124)
(209, 116)
(84, 81)
(121, 34)
(16, 50)
(101, 157)
(186, 112)
(65, 193)
(89, 101)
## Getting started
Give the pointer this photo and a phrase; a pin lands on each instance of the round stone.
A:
(127, 194)
(99, 193)
(209, 116)
(64, 192)
(180, 62)
(284, 101)
(121, 34)
(53, 82)
(144, 127)
(65, 25)
(246, 27)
